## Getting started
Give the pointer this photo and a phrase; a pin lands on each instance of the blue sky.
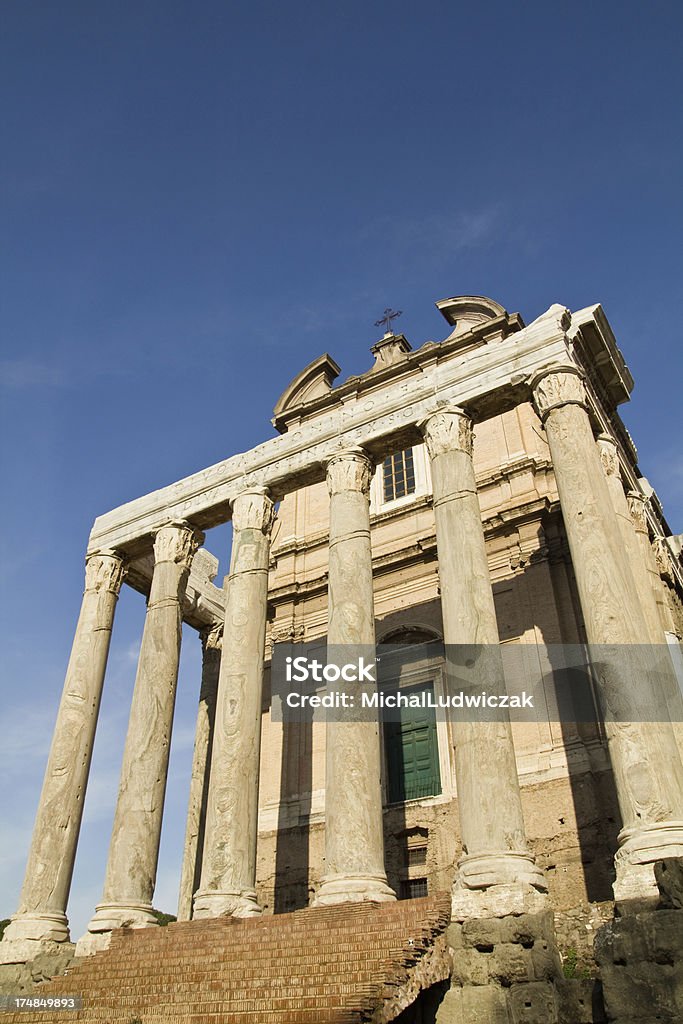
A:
(199, 198)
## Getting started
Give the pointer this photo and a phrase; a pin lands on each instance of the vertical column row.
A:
(134, 848)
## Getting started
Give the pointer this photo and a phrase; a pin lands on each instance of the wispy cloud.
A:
(27, 374)
(454, 231)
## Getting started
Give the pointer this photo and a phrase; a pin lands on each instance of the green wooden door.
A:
(412, 751)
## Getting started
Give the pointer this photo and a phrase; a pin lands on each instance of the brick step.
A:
(321, 966)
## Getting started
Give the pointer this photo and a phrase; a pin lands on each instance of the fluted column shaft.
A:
(489, 802)
(354, 837)
(201, 760)
(228, 876)
(42, 909)
(645, 760)
(134, 848)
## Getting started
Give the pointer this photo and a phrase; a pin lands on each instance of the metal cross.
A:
(389, 315)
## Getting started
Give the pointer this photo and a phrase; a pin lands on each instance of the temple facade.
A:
(481, 490)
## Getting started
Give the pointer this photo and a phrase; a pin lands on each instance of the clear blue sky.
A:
(198, 198)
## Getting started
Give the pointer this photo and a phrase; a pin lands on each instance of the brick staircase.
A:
(333, 965)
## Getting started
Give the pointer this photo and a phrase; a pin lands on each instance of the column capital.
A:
(447, 430)
(211, 636)
(253, 509)
(637, 505)
(104, 570)
(557, 386)
(177, 542)
(609, 454)
(349, 470)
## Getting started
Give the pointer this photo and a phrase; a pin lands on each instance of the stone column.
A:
(41, 918)
(228, 877)
(354, 836)
(491, 821)
(199, 784)
(607, 449)
(134, 847)
(637, 503)
(647, 767)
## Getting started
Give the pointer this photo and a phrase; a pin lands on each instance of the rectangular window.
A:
(412, 751)
(398, 475)
(417, 855)
(413, 888)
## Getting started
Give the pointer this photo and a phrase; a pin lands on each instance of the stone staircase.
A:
(333, 965)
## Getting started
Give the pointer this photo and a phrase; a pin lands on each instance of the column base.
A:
(353, 889)
(29, 935)
(483, 870)
(497, 901)
(639, 848)
(110, 916)
(210, 903)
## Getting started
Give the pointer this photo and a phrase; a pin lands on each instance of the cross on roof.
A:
(389, 315)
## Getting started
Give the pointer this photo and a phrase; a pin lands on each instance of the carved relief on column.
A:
(448, 431)
(41, 917)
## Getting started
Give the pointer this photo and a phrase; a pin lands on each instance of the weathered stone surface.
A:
(41, 918)
(228, 876)
(580, 1001)
(533, 1003)
(354, 843)
(669, 878)
(485, 1004)
(491, 821)
(134, 848)
(211, 639)
(640, 736)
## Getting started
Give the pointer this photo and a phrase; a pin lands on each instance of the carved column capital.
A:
(349, 470)
(609, 454)
(449, 430)
(637, 504)
(253, 510)
(558, 386)
(663, 559)
(177, 542)
(104, 570)
(211, 637)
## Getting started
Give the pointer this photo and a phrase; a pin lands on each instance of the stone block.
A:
(633, 993)
(545, 961)
(669, 878)
(470, 967)
(533, 1003)
(483, 932)
(510, 963)
(454, 936)
(580, 1001)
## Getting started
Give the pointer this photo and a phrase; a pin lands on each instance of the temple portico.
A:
(568, 373)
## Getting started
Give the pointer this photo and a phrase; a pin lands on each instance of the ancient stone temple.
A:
(480, 493)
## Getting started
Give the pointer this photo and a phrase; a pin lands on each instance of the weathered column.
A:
(607, 449)
(41, 918)
(637, 503)
(647, 767)
(228, 876)
(134, 847)
(201, 760)
(354, 837)
(491, 821)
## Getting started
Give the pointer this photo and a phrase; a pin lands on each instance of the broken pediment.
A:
(314, 381)
(466, 312)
